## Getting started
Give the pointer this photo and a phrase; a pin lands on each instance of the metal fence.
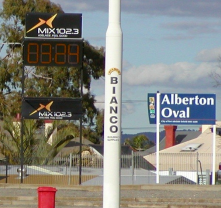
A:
(182, 168)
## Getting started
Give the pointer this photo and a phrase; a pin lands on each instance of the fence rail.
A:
(184, 168)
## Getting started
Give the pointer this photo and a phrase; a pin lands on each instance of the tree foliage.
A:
(10, 138)
(139, 142)
(41, 81)
(39, 146)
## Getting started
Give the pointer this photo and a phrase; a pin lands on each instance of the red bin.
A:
(46, 197)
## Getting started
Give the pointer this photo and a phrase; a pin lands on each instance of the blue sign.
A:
(187, 109)
(152, 107)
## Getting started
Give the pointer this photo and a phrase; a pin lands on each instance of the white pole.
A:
(113, 101)
(158, 138)
(214, 155)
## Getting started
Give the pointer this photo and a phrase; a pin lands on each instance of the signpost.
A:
(52, 40)
(182, 109)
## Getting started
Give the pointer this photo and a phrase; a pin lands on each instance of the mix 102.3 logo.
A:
(50, 28)
(48, 113)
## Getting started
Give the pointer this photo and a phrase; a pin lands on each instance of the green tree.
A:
(10, 138)
(41, 81)
(62, 132)
(12, 31)
(139, 142)
(100, 123)
(37, 144)
(95, 133)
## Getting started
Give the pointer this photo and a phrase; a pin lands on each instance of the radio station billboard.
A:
(51, 108)
(48, 25)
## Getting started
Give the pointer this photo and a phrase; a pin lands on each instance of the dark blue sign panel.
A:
(152, 106)
(188, 109)
(183, 109)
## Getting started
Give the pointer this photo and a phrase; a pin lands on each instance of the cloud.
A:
(182, 77)
(174, 8)
(128, 108)
(177, 76)
(83, 5)
(209, 55)
(190, 29)
(193, 27)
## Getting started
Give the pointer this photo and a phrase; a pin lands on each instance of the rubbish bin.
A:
(46, 197)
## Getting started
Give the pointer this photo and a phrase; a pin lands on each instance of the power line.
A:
(127, 101)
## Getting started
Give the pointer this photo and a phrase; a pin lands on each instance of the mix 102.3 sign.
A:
(183, 109)
(47, 25)
(52, 108)
(53, 40)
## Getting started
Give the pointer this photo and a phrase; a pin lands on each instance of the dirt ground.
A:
(46, 179)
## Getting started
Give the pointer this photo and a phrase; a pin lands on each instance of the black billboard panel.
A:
(52, 52)
(48, 25)
(52, 108)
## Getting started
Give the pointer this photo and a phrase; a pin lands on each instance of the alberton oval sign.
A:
(184, 109)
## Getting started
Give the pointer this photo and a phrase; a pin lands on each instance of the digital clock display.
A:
(52, 52)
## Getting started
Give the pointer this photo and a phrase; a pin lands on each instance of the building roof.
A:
(125, 149)
(72, 146)
(179, 156)
(180, 137)
(75, 143)
(206, 139)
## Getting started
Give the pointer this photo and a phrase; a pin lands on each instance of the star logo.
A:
(47, 107)
(41, 22)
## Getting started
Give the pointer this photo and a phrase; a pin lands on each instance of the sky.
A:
(169, 46)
